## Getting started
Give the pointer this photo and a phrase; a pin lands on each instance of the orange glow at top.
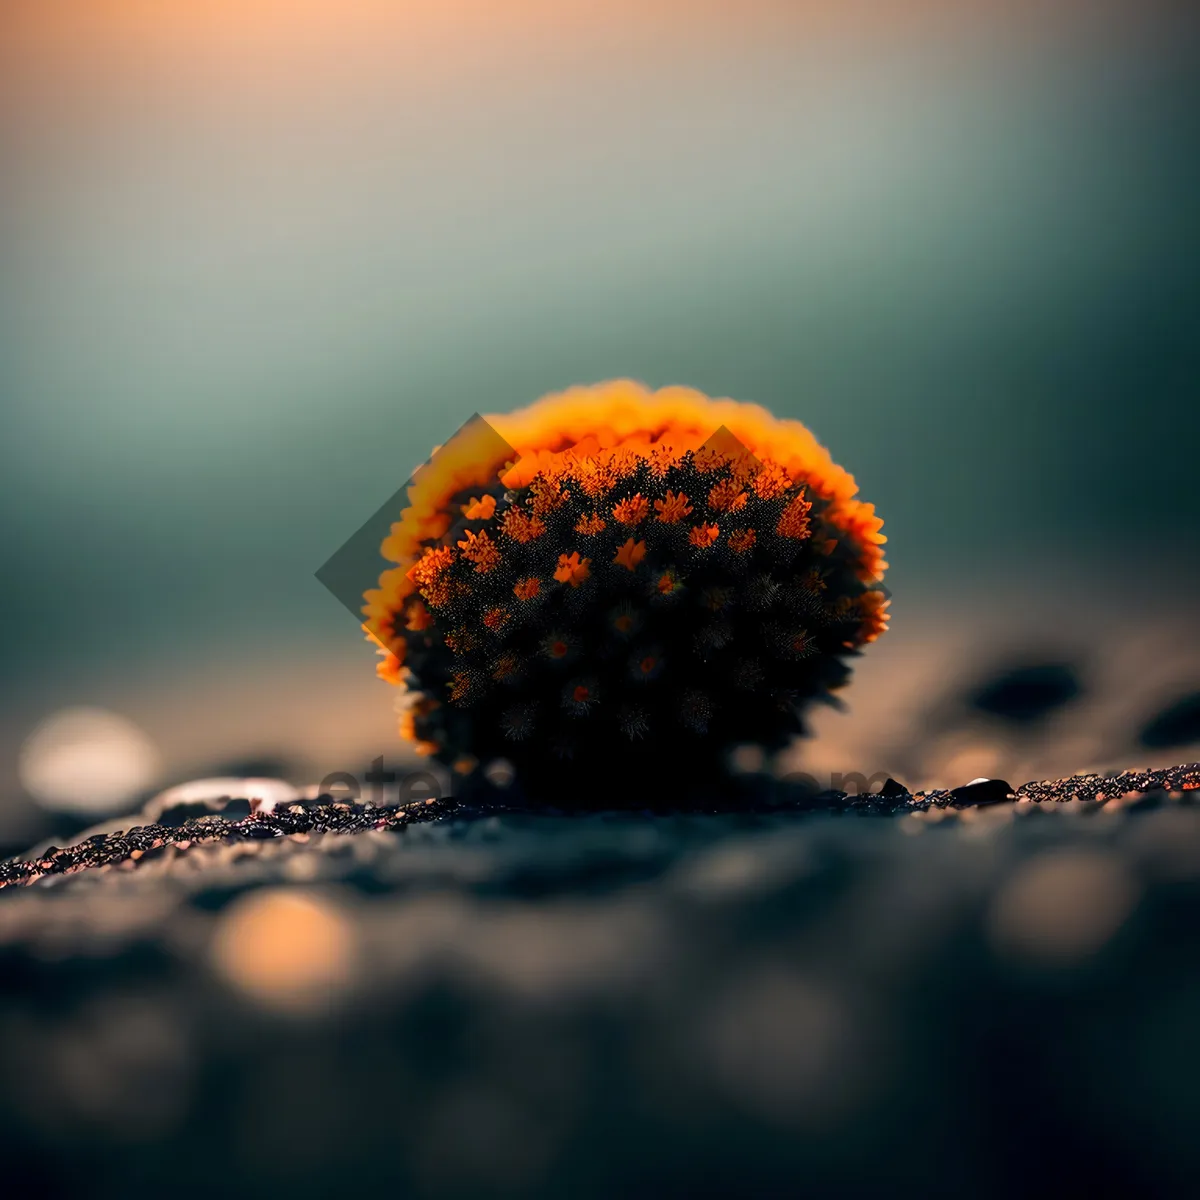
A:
(623, 416)
(606, 423)
(41, 32)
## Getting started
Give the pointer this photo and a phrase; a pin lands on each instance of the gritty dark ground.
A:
(327, 816)
(838, 996)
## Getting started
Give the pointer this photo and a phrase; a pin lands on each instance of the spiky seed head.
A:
(638, 582)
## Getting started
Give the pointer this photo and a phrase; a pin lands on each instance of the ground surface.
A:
(969, 999)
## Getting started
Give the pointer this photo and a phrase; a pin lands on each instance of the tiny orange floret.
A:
(741, 540)
(873, 606)
(431, 564)
(771, 481)
(668, 582)
(390, 667)
(527, 589)
(439, 592)
(495, 618)
(581, 694)
(428, 575)
(703, 535)
(672, 509)
(630, 554)
(461, 641)
(709, 459)
(521, 527)
(479, 549)
(595, 477)
(632, 511)
(662, 458)
(480, 508)
(591, 524)
(726, 496)
(572, 569)
(794, 521)
(505, 667)
(547, 495)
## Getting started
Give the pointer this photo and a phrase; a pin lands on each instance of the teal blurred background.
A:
(252, 270)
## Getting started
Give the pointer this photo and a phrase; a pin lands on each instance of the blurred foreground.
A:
(993, 1001)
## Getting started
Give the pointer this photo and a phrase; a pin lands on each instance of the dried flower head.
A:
(638, 582)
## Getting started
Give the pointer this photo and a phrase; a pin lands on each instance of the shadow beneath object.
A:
(1177, 725)
(1026, 695)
